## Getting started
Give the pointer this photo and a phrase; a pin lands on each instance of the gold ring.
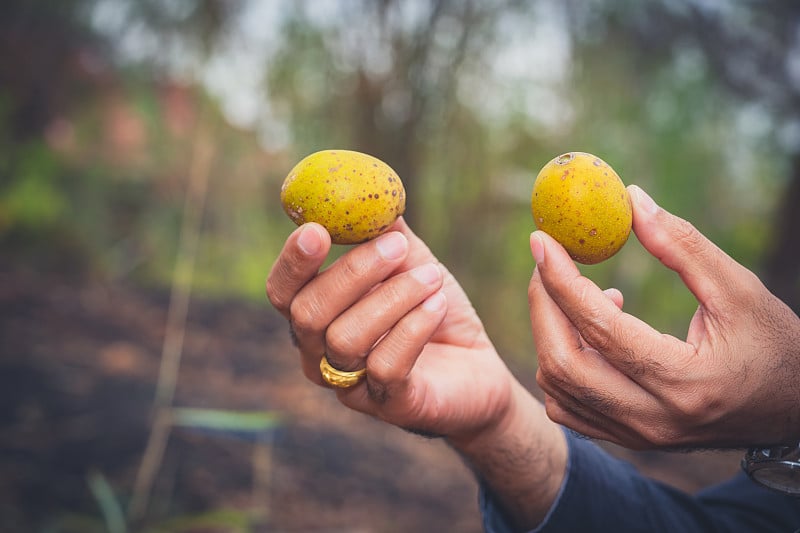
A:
(339, 378)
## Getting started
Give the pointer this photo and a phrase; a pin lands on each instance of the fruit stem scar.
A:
(563, 159)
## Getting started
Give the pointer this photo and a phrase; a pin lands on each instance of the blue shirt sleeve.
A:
(602, 493)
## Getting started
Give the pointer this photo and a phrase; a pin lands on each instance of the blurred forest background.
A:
(142, 148)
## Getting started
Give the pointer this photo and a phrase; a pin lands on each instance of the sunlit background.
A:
(146, 383)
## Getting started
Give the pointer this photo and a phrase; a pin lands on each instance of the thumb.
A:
(705, 269)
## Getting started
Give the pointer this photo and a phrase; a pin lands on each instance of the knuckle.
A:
(378, 392)
(554, 411)
(354, 266)
(687, 237)
(552, 371)
(387, 370)
(599, 401)
(392, 295)
(564, 411)
(339, 339)
(304, 315)
(410, 330)
(611, 337)
(541, 379)
(689, 407)
(379, 374)
(698, 408)
(685, 415)
(594, 323)
(601, 333)
(597, 334)
(275, 295)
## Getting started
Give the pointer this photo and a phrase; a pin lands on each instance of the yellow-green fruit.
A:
(582, 203)
(355, 196)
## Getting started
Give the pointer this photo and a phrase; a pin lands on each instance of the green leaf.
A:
(218, 419)
(109, 505)
(234, 521)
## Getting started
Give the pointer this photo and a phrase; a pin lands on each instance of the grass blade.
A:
(224, 420)
(108, 502)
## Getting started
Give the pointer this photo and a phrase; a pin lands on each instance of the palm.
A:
(445, 392)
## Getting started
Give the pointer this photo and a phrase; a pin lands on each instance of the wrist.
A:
(521, 458)
(495, 431)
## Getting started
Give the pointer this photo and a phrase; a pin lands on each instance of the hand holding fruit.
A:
(387, 304)
(732, 382)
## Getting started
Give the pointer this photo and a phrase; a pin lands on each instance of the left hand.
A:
(733, 382)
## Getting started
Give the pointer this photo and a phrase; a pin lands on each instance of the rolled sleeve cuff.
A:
(598, 493)
(494, 521)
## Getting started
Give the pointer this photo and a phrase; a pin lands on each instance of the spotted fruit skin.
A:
(582, 203)
(355, 196)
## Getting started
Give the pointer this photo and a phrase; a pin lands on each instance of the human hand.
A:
(390, 306)
(733, 382)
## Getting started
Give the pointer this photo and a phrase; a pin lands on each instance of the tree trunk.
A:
(782, 265)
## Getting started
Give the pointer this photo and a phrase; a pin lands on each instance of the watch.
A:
(777, 468)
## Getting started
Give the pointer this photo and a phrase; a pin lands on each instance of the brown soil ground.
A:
(78, 367)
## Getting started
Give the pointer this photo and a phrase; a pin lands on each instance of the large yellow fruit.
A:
(355, 196)
(582, 203)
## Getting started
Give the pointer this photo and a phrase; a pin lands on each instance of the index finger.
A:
(300, 259)
(626, 342)
(588, 393)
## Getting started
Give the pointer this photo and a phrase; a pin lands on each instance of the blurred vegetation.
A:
(466, 100)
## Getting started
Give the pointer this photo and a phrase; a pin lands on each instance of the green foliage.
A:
(114, 190)
(33, 198)
(217, 419)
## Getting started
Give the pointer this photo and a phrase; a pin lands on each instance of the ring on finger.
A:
(339, 378)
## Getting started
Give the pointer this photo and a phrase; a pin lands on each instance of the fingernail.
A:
(643, 200)
(426, 274)
(309, 240)
(537, 247)
(392, 245)
(435, 302)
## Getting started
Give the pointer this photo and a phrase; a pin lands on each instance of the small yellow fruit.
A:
(355, 196)
(582, 203)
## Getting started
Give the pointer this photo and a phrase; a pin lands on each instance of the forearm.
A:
(522, 459)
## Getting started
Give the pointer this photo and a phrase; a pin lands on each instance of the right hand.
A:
(390, 306)
(733, 382)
